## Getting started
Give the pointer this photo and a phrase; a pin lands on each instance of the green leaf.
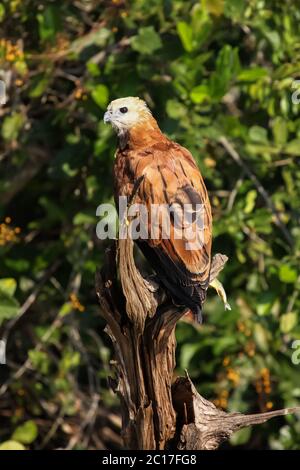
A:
(40, 361)
(200, 93)
(280, 131)
(234, 9)
(26, 433)
(293, 148)
(65, 309)
(39, 86)
(187, 352)
(261, 337)
(258, 149)
(250, 201)
(93, 69)
(100, 95)
(68, 170)
(253, 74)
(241, 437)
(11, 445)
(8, 286)
(185, 33)
(264, 302)
(146, 41)
(215, 7)
(258, 134)
(2, 12)
(9, 307)
(99, 37)
(175, 109)
(274, 38)
(84, 218)
(49, 23)
(227, 67)
(70, 360)
(12, 125)
(224, 345)
(287, 273)
(288, 321)
(54, 211)
(21, 67)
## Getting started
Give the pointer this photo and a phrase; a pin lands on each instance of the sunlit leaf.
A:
(288, 321)
(9, 307)
(8, 286)
(252, 74)
(287, 273)
(11, 445)
(147, 40)
(100, 95)
(12, 125)
(185, 32)
(200, 94)
(26, 433)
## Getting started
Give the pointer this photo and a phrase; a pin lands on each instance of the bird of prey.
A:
(157, 171)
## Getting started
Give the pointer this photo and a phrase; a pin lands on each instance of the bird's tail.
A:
(197, 311)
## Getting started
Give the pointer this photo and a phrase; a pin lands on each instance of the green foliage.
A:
(9, 306)
(26, 433)
(99, 94)
(23, 434)
(146, 41)
(11, 445)
(207, 69)
(12, 125)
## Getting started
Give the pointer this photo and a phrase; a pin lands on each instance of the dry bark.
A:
(141, 320)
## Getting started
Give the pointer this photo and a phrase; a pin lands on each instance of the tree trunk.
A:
(141, 321)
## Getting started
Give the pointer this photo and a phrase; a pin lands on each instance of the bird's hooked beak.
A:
(107, 117)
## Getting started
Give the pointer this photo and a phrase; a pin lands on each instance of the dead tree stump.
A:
(157, 414)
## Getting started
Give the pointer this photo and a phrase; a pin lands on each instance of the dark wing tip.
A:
(197, 311)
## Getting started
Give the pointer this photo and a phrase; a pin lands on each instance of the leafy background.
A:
(208, 69)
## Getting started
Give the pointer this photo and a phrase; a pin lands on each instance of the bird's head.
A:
(126, 113)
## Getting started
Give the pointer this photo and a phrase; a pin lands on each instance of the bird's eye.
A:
(124, 110)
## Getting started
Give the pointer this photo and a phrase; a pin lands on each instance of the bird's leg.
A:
(217, 285)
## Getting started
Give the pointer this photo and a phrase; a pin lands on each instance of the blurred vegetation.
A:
(207, 69)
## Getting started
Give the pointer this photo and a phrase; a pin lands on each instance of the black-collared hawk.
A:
(157, 171)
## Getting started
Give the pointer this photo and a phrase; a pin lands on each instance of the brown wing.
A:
(173, 179)
(168, 176)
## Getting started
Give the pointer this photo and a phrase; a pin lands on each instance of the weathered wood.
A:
(203, 426)
(144, 348)
(141, 323)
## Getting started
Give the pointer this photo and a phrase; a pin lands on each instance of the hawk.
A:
(155, 171)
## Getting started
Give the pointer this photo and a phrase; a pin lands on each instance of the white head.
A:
(125, 113)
